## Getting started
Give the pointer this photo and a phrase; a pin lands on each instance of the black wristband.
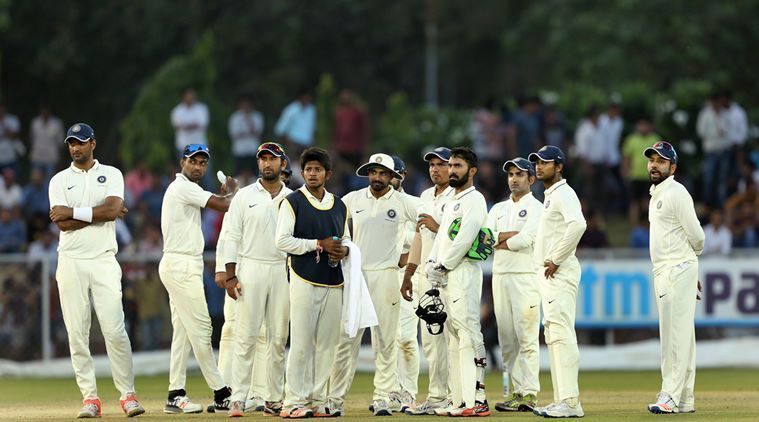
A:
(232, 278)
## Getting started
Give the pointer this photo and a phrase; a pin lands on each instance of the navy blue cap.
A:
(288, 170)
(193, 149)
(664, 149)
(400, 166)
(548, 153)
(442, 153)
(80, 131)
(521, 164)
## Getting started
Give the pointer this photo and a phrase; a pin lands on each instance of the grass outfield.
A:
(722, 394)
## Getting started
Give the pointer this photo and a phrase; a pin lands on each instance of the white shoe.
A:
(427, 408)
(254, 404)
(182, 404)
(394, 402)
(381, 408)
(541, 411)
(664, 405)
(443, 411)
(564, 410)
(90, 409)
(686, 408)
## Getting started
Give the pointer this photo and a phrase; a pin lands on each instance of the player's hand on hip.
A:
(551, 269)
(123, 212)
(61, 213)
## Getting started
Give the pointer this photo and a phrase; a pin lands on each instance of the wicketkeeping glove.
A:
(482, 247)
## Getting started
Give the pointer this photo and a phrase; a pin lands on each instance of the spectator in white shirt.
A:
(190, 120)
(245, 128)
(297, 124)
(46, 132)
(10, 191)
(719, 239)
(611, 125)
(737, 121)
(713, 127)
(11, 148)
(593, 155)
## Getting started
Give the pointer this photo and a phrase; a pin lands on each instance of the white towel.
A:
(358, 310)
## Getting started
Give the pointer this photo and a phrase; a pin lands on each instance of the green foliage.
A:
(326, 101)
(406, 130)
(146, 130)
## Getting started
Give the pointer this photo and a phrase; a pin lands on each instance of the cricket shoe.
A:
(327, 411)
(686, 408)
(427, 407)
(480, 409)
(181, 404)
(236, 409)
(541, 411)
(664, 405)
(91, 408)
(296, 412)
(444, 411)
(381, 408)
(272, 408)
(509, 405)
(221, 401)
(131, 406)
(254, 404)
(518, 403)
(564, 410)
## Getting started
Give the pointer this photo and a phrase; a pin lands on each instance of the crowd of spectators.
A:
(606, 167)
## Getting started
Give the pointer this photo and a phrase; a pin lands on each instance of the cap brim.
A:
(258, 154)
(650, 151)
(363, 171)
(206, 153)
(77, 138)
(535, 156)
(514, 163)
(432, 154)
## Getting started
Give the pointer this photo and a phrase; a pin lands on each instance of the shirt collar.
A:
(463, 192)
(76, 169)
(522, 198)
(666, 182)
(556, 186)
(385, 196)
(311, 196)
(259, 187)
(446, 192)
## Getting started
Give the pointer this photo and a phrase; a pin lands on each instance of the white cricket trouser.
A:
(182, 275)
(227, 351)
(676, 301)
(314, 332)
(435, 348)
(82, 285)
(386, 296)
(466, 349)
(265, 297)
(516, 299)
(559, 300)
(408, 345)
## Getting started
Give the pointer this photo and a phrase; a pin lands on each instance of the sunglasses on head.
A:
(664, 145)
(273, 147)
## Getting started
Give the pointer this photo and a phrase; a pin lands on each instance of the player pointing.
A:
(85, 200)
(676, 239)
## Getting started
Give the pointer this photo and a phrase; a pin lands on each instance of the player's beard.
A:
(458, 182)
(378, 186)
(663, 175)
(273, 175)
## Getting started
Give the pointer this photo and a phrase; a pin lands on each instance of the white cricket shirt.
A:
(379, 225)
(180, 217)
(251, 225)
(470, 206)
(676, 235)
(433, 205)
(523, 217)
(561, 225)
(74, 188)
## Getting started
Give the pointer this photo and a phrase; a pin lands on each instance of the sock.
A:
(176, 393)
(221, 394)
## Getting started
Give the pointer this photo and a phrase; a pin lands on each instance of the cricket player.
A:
(181, 272)
(255, 401)
(287, 173)
(408, 322)
(379, 215)
(676, 240)
(262, 287)
(85, 200)
(311, 224)
(516, 297)
(559, 230)
(435, 347)
(460, 281)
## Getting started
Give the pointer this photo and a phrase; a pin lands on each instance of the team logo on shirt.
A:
(391, 213)
(658, 205)
(522, 213)
(548, 203)
(101, 179)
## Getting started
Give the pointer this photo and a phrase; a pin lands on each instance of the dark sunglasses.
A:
(193, 148)
(664, 145)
